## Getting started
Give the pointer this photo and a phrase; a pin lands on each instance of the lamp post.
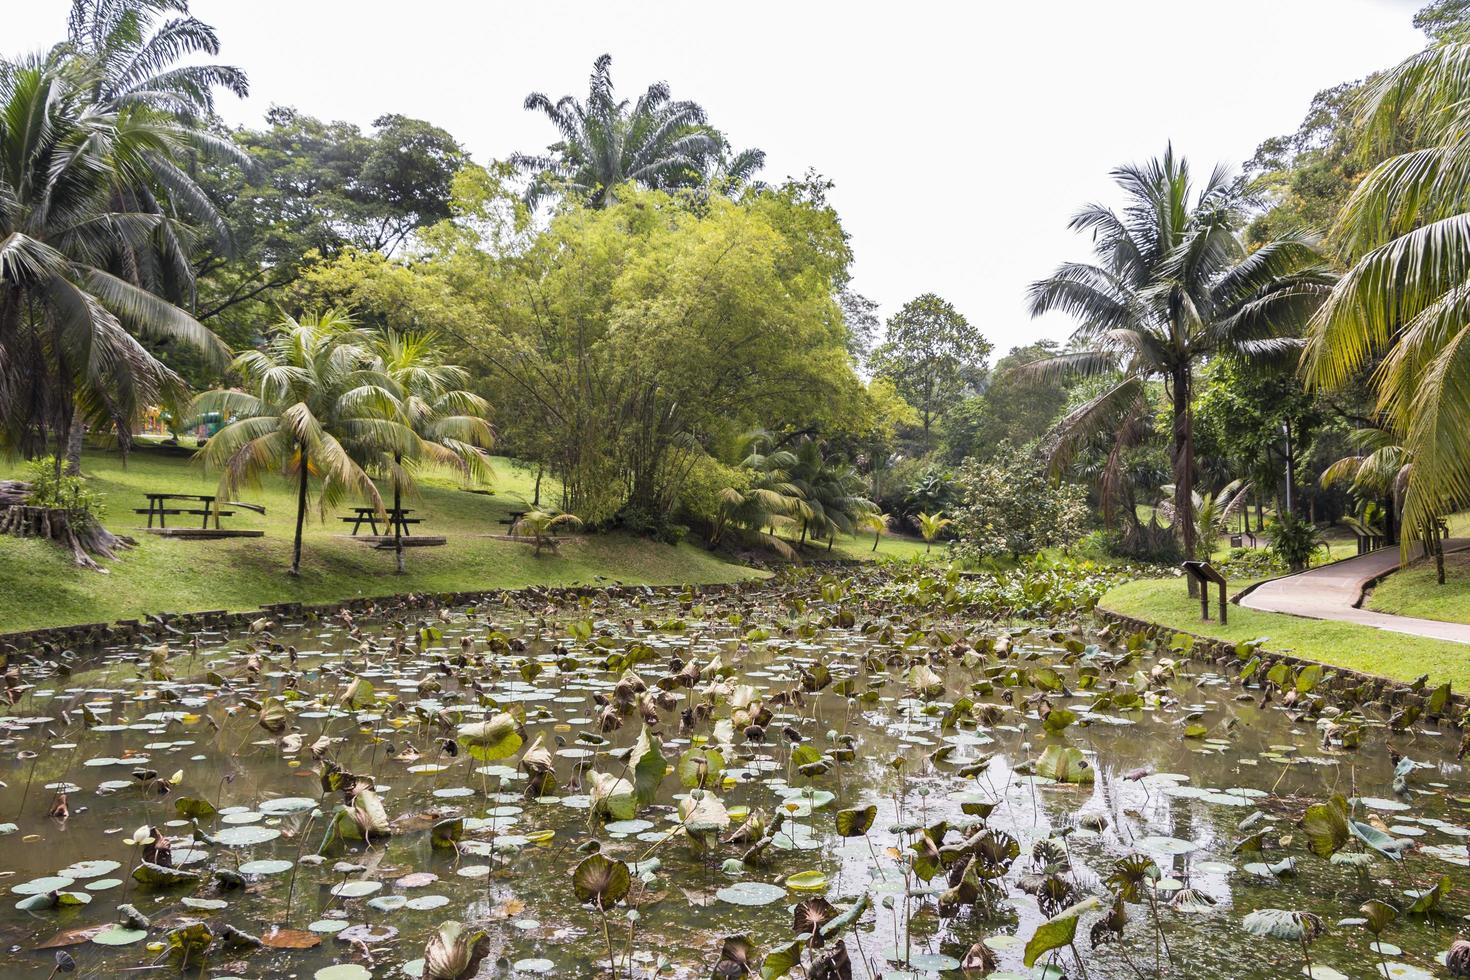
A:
(1290, 475)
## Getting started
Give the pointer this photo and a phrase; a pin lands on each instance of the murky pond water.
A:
(738, 710)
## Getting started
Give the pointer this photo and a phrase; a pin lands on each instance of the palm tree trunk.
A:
(74, 445)
(1184, 467)
(876, 536)
(300, 514)
(397, 524)
(1438, 552)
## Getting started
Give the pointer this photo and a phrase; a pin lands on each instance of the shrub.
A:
(1294, 541)
(83, 505)
(1009, 507)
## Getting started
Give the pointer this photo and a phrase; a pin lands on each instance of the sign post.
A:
(1205, 574)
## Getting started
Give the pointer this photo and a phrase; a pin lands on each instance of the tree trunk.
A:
(536, 500)
(74, 446)
(397, 524)
(300, 513)
(876, 536)
(1184, 468)
(1438, 553)
(1260, 513)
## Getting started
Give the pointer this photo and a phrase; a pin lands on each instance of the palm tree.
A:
(126, 60)
(1212, 512)
(877, 523)
(317, 404)
(830, 501)
(134, 60)
(656, 142)
(930, 526)
(448, 421)
(69, 328)
(541, 525)
(1403, 303)
(767, 502)
(1173, 285)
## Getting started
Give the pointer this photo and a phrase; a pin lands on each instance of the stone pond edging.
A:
(1222, 653)
(52, 640)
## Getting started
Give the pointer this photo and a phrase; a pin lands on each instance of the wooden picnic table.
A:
(158, 506)
(396, 517)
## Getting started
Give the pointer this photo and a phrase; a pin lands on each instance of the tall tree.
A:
(315, 187)
(931, 353)
(655, 142)
(315, 404)
(1173, 285)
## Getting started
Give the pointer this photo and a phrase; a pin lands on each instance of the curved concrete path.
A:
(1333, 592)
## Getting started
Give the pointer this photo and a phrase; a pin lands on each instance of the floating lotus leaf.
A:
(602, 881)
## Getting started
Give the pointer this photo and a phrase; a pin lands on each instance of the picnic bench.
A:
(204, 505)
(515, 515)
(396, 517)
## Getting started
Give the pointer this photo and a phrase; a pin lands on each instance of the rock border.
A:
(1222, 653)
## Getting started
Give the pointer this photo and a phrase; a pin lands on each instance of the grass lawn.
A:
(1363, 648)
(889, 546)
(1414, 591)
(39, 585)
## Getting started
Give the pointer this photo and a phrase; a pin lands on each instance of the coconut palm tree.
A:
(1401, 308)
(316, 404)
(877, 523)
(448, 421)
(1173, 285)
(656, 142)
(132, 59)
(125, 58)
(70, 329)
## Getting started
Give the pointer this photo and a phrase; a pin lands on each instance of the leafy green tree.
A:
(631, 330)
(1245, 413)
(931, 353)
(1173, 285)
(1009, 507)
(316, 403)
(655, 142)
(69, 329)
(1012, 408)
(313, 190)
(1307, 176)
(1444, 20)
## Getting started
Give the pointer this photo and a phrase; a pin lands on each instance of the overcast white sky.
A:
(961, 135)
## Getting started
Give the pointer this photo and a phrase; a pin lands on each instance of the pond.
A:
(822, 771)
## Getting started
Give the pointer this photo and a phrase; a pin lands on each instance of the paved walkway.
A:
(1333, 591)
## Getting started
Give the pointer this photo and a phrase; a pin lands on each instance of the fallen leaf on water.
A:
(278, 938)
(73, 937)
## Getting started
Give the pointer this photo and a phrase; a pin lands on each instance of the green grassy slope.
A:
(39, 585)
(1363, 648)
(1414, 591)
